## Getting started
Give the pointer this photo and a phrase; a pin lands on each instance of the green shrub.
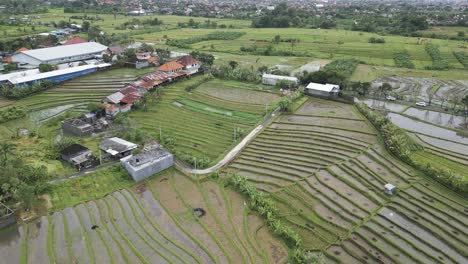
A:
(402, 60)
(286, 103)
(218, 35)
(198, 82)
(44, 67)
(462, 57)
(16, 92)
(376, 40)
(438, 62)
(12, 113)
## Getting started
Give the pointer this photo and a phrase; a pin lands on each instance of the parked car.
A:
(390, 98)
(423, 104)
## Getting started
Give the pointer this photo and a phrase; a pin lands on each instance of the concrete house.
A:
(77, 127)
(142, 59)
(271, 79)
(190, 64)
(324, 90)
(77, 155)
(116, 148)
(153, 160)
(60, 54)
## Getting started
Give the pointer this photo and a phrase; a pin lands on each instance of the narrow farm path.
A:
(232, 154)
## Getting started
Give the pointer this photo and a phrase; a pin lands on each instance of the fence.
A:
(7, 216)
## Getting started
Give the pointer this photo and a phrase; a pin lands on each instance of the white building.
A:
(152, 160)
(270, 79)
(322, 89)
(31, 76)
(60, 54)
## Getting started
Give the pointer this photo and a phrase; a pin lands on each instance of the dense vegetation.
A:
(402, 146)
(402, 60)
(403, 24)
(19, 182)
(218, 35)
(438, 61)
(336, 72)
(11, 113)
(18, 92)
(462, 57)
(283, 16)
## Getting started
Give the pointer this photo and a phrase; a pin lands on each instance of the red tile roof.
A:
(170, 66)
(152, 59)
(187, 60)
(21, 50)
(75, 40)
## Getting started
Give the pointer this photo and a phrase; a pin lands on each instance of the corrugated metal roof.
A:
(323, 87)
(115, 97)
(280, 77)
(59, 52)
(45, 75)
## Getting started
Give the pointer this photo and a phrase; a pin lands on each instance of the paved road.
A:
(231, 153)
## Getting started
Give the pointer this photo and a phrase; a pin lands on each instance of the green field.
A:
(202, 122)
(325, 168)
(314, 44)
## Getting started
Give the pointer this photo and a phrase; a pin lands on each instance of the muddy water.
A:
(43, 115)
(382, 104)
(10, 244)
(438, 118)
(426, 129)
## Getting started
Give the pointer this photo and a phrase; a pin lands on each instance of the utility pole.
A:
(100, 155)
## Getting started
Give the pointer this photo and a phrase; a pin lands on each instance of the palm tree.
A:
(5, 150)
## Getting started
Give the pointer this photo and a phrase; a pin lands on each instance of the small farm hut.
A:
(390, 189)
(319, 89)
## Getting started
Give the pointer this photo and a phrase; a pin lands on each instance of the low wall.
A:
(7, 220)
(340, 98)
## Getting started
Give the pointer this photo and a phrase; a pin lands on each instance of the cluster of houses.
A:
(151, 160)
(124, 99)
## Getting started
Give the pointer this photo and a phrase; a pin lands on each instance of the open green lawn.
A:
(320, 43)
(449, 31)
(109, 24)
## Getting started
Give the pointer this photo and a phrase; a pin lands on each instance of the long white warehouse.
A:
(271, 79)
(60, 54)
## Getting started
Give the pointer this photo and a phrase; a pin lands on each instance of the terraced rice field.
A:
(202, 122)
(325, 168)
(420, 88)
(153, 222)
(82, 90)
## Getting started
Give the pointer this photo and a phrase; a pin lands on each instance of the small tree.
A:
(44, 67)
(233, 64)
(465, 102)
(277, 39)
(384, 88)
